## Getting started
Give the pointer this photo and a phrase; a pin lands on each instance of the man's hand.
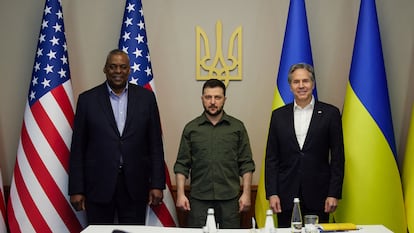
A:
(155, 197)
(78, 201)
(274, 203)
(330, 204)
(244, 202)
(183, 203)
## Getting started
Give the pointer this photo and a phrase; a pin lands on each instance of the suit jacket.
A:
(97, 146)
(316, 171)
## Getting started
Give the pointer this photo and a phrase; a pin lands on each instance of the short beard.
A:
(218, 112)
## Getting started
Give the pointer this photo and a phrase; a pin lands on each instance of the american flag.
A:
(38, 194)
(133, 40)
(2, 207)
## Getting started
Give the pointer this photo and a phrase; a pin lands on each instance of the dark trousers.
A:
(121, 209)
(226, 213)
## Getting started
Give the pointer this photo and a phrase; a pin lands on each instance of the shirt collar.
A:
(309, 106)
(111, 92)
(203, 118)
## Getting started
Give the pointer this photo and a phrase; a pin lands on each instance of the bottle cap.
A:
(210, 211)
(269, 212)
(296, 199)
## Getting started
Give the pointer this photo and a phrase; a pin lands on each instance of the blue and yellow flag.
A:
(372, 192)
(296, 49)
(408, 176)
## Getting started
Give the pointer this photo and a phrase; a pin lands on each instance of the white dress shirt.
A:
(302, 118)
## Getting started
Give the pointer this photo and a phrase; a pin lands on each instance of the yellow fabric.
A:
(408, 176)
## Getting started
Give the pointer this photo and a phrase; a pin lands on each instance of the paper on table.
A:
(337, 226)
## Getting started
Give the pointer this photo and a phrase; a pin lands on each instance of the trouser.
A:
(121, 209)
(226, 213)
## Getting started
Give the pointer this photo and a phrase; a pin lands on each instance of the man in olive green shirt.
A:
(214, 152)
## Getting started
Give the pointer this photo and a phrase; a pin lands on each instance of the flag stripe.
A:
(35, 217)
(2, 206)
(47, 182)
(64, 102)
(369, 54)
(49, 131)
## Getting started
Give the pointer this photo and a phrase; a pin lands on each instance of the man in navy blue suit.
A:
(117, 158)
(305, 152)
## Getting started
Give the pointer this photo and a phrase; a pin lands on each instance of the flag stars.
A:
(39, 52)
(135, 67)
(46, 83)
(141, 25)
(42, 38)
(37, 66)
(64, 59)
(48, 10)
(148, 71)
(57, 27)
(34, 81)
(59, 14)
(148, 57)
(134, 80)
(54, 41)
(139, 38)
(126, 36)
(141, 12)
(128, 22)
(65, 47)
(32, 95)
(51, 55)
(48, 69)
(62, 73)
(125, 49)
(44, 24)
(137, 53)
(130, 7)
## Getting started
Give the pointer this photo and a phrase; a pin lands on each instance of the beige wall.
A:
(92, 29)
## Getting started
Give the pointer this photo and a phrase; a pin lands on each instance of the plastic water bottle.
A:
(211, 221)
(269, 223)
(296, 223)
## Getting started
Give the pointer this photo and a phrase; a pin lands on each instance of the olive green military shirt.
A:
(214, 157)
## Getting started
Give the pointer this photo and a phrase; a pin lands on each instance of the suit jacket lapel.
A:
(291, 125)
(313, 125)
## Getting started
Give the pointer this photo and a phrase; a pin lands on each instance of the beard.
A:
(210, 113)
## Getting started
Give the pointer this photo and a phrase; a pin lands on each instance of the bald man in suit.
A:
(305, 152)
(117, 158)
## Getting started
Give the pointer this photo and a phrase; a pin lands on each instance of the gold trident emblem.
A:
(219, 67)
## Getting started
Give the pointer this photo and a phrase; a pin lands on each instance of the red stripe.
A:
(2, 201)
(13, 226)
(64, 102)
(148, 86)
(29, 206)
(164, 215)
(51, 134)
(49, 185)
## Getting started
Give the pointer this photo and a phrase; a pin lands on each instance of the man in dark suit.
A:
(305, 152)
(117, 158)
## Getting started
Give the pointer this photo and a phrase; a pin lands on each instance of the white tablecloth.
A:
(149, 229)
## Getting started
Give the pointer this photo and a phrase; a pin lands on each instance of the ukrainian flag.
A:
(296, 49)
(372, 192)
(408, 176)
